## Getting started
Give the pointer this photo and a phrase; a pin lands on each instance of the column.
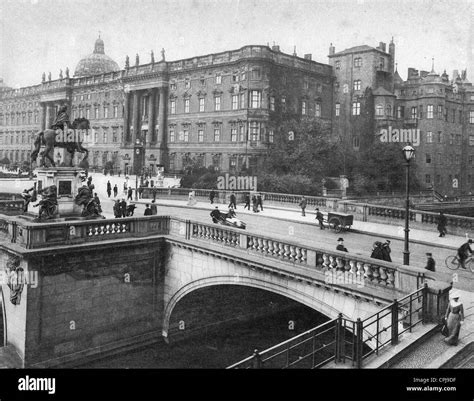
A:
(48, 116)
(126, 119)
(162, 132)
(42, 119)
(151, 116)
(135, 132)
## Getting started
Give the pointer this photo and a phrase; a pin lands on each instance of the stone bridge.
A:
(93, 288)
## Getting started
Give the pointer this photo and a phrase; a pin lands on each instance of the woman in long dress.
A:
(454, 318)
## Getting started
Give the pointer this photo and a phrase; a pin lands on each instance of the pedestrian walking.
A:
(153, 191)
(302, 205)
(148, 210)
(377, 251)
(260, 202)
(140, 192)
(430, 262)
(215, 215)
(153, 207)
(125, 187)
(212, 195)
(115, 190)
(130, 193)
(117, 210)
(247, 201)
(131, 209)
(463, 252)
(254, 204)
(320, 218)
(123, 208)
(386, 251)
(340, 245)
(109, 189)
(442, 222)
(454, 318)
(232, 204)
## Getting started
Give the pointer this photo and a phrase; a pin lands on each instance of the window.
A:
(114, 135)
(317, 110)
(283, 104)
(242, 100)
(381, 63)
(106, 112)
(104, 137)
(357, 84)
(356, 108)
(115, 111)
(427, 179)
(242, 76)
(338, 65)
(96, 112)
(186, 135)
(440, 112)
(242, 133)
(471, 140)
(172, 106)
(400, 111)
(420, 109)
(218, 79)
(187, 83)
(471, 117)
(254, 131)
(201, 104)
(181, 136)
(186, 105)
(379, 110)
(232, 162)
(429, 111)
(217, 103)
(440, 137)
(429, 137)
(256, 73)
(272, 103)
(36, 116)
(144, 106)
(81, 113)
(235, 78)
(428, 158)
(355, 142)
(172, 135)
(358, 62)
(88, 113)
(173, 86)
(303, 108)
(270, 136)
(338, 109)
(217, 134)
(233, 135)
(414, 111)
(446, 114)
(200, 135)
(255, 97)
(235, 102)
(203, 82)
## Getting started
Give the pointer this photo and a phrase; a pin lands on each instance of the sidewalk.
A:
(287, 214)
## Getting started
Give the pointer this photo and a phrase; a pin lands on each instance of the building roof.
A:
(356, 49)
(380, 91)
(96, 63)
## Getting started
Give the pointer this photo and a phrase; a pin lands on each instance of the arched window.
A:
(389, 110)
(379, 110)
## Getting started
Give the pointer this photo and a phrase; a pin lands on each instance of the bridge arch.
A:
(299, 295)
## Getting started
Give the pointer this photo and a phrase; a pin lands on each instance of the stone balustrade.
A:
(11, 207)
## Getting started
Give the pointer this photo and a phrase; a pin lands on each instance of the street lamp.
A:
(138, 163)
(408, 154)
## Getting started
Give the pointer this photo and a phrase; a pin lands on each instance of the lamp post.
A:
(408, 153)
(137, 162)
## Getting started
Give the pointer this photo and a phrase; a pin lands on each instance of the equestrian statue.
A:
(48, 138)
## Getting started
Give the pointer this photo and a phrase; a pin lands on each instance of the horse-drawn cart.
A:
(340, 221)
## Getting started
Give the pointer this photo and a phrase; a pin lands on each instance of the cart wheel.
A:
(338, 228)
(336, 224)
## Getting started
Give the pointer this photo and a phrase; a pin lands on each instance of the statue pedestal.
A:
(67, 181)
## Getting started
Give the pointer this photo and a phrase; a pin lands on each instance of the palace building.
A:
(220, 109)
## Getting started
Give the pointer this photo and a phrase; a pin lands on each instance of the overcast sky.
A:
(49, 35)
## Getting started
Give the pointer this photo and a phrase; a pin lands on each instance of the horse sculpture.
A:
(48, 139)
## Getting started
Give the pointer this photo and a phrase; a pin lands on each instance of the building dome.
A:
(96, 63)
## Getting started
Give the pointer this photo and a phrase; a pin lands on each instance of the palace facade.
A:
(220, 109)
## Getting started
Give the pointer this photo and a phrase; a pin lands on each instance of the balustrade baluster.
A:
(304, 255)
(259, 244)
(367, 272)
(326, 262)
(375, 274)
(383, 275)
(340, 264)
(390, 277)
(332, 262)
(265, 246)
(292, 253)
(287, 251)
(351, 267)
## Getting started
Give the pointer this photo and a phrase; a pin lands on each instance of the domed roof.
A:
(96, 63)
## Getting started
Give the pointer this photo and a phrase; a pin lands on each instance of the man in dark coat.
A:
(260, 202)
(123, 208)
(442, 221)
(254, 204)
(302, 205)
(215, 214)
(232, 201)
(464, 251)
(154, 209)
(117, 211)
(340, 245)
(147, 210)
(109, 189)
(247, 201)
(320, 218)
(212, 195)
(386, 251)
(129, 194)
(430, 262)
(115, 190)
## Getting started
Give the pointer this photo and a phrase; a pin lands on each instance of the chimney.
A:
(276, 48)
(412, 73)
(332, 50)
(423, 73)
(308, 56)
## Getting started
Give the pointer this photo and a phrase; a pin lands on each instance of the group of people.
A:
(381, 250)
(256, 201)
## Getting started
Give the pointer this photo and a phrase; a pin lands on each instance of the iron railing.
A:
(343, 339)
